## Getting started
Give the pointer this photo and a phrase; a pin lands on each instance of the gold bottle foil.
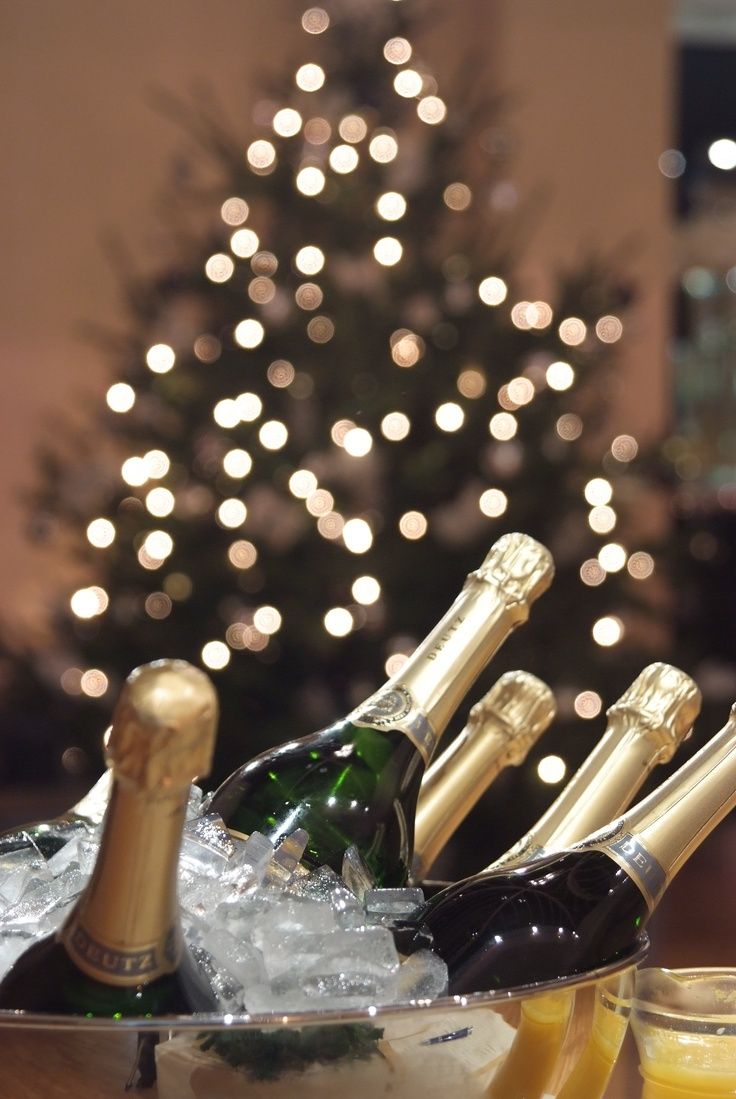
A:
(124, 929)
(420, 700)
(501, 729)
(645, 726)
(653, 840)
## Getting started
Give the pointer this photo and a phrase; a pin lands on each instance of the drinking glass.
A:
(684, 1025)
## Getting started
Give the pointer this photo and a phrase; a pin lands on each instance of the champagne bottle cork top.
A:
(522, 705)
(519, 565)
(163, 728)
(663, 702)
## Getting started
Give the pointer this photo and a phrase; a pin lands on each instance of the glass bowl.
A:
(559, 1039)
(684, 1025)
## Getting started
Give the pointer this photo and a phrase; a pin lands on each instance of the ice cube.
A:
(38, 898)
(423, 976)
(87, 850)
(196, 803)
(356, 874)
(227, 989)
(238, 957)
(383, 906)
(71, 882)
(345, 968)
(250, 859)
(206, 847)
(279, 931)
(64, 856)
(200, 895)
(324, 885)
(20, 869)
(285, 862)
(238, 911)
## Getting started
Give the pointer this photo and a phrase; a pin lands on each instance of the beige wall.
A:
(591, 81)
(84, 153)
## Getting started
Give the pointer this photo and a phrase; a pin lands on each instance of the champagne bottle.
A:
(121, 949)
(501, 729)
(645, 727)
(586, 906)
(49, 836)
(356, 783)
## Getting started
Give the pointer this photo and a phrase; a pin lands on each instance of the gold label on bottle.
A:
(394, 709)
(114, 966)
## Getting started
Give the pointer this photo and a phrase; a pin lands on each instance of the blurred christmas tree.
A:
(332, 403)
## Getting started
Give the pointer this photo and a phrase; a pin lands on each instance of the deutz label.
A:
(446, 636)
(120, 966)
(394, 709)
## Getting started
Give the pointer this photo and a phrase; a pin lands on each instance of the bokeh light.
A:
(366, 590)
(552, 769)
(492, 290)
(413, 525)
(120, 397)
(215, 655)
(338, 621)
(560, 376)
(357, 535)
(160, 358)
(449, 416)
(608, 631)
(232, 513)
(612, 557)
(273, 434)
(101, 533)
(237, 463)
(388, 251)
(588, 704)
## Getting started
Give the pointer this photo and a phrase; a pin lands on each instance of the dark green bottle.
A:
(356, 783)
(585, 907)
(121, 950)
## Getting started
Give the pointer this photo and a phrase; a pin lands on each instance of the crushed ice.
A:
(269, 935)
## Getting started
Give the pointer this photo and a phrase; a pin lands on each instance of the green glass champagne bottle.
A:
(584, 907)
(645, 727)
(356, 783)
(121, 950)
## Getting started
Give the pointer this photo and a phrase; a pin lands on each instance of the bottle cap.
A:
(521, 705)
(163, 728)
(521, 567)
(663, 702)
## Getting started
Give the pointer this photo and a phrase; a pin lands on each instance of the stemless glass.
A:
(684, 1025)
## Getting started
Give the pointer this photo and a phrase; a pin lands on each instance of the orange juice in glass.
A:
(684, 1024)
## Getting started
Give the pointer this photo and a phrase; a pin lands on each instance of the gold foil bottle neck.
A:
(662, 703)
(519, 566)
(163, 727)
(520, 706)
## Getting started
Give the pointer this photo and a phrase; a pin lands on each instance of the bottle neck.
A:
(444, 803)
(124, 929)
(598, 791)
(421, 699)
(655, 838)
